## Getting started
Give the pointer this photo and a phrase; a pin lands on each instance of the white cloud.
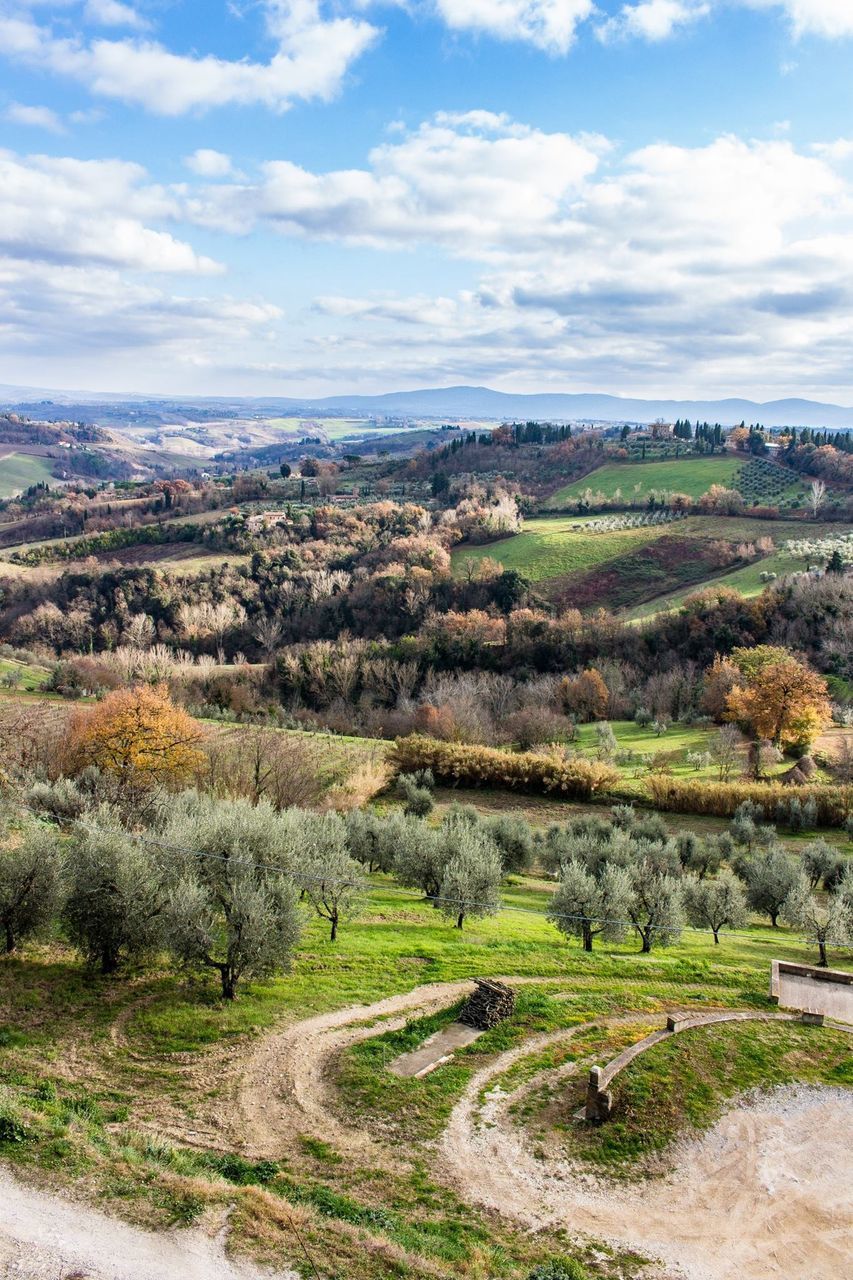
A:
(836, 152)
(702, 268)
(653, 19)
(477, 183)
(38, 117)
(89, 212)
(830, 18)
(209, 164)
(60, 322)
(660, 19)
(312, 58)
(112, 13)
(548, 24)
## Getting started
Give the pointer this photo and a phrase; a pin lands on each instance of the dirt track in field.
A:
(764, 1195)
(45, 1237)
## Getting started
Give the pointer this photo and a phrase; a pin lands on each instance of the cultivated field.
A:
(632, 480)
(576, 559)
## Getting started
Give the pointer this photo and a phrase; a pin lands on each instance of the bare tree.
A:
(269, 633)
(285, 769)
(725, 749)
(817, 493)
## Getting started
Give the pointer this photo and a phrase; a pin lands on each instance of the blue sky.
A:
(290, 197)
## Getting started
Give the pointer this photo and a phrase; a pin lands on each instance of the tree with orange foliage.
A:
(781, 699)
(139, 739)
(587, 695)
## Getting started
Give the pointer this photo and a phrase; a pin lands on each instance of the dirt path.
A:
(43, 1237)
(763, 1195)
(285, 1091)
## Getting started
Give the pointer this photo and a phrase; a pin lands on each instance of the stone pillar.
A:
(599, 1101)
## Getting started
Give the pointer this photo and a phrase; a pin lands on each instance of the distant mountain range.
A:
(466, 402)
(482, 402)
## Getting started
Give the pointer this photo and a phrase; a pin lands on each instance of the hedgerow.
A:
(721, 799)
(476, 766)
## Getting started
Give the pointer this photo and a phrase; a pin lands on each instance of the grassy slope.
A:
(684, 1084)
(96, 1070)
(24, 676)
(746, 581)
(555, 547)
(693, 476)
(19, 470)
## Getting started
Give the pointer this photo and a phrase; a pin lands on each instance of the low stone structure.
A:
(810, 989)
(599, 1100)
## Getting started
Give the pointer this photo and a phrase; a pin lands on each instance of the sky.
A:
(293, 197)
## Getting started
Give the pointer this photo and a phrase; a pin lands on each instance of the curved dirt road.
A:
(764, 1195)
(44, 1237)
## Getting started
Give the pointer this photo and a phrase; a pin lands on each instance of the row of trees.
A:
(226, 886)
(627, 874)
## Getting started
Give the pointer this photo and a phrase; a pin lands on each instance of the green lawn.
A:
(19, 470)
(693, 476)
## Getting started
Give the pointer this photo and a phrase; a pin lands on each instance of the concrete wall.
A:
(813, 990)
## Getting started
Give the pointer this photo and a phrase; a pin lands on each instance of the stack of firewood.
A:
(489, 1005)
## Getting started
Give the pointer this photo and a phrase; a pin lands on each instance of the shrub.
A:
(485, 766)
(723, 798)
(559, 1269)
(418, 799)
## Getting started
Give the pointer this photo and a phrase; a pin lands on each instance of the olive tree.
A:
(470, 885)
(235, 920)
(231, 904)
(514, 839)
(422, 857)
(374, 841)
(331, 880)
(770, 877)
(587, 906)
(116, 896)
(655, 907)
(820, 862)
(30, 884)
(716, 904)
(823, 924)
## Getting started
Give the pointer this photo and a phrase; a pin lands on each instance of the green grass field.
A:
(19, 470)
(693, 476)
(746, 581)
(554, 547)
